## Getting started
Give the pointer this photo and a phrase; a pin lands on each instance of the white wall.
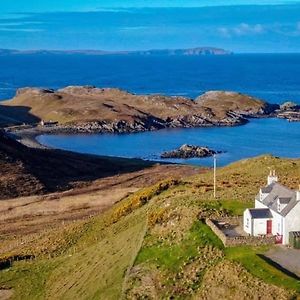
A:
(292, 222)
(247, 222)
(259, 226)
(258, 204)
(277, 224)
(262, 195)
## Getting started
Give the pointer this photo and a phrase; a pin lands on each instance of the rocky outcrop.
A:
(289, 105)
(291, 116)
(189, 151)
(33, 91)
(289, 111)
(238, 103)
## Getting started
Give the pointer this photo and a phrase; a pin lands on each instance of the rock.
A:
(289, 111)
(189, 151)
(33, 91)
(289, 105)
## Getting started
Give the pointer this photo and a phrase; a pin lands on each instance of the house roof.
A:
(260, 213)
(277, 191)
(266, 189)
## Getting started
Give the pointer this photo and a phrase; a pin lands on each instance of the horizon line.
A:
(149, 49)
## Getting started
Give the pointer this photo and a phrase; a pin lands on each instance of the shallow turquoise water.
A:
(260, 136)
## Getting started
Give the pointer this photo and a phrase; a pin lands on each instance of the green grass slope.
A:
(91, 268)
(153, 245)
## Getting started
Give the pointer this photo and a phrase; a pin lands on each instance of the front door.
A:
(269, 227)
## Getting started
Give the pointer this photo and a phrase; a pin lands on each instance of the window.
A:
(247, 223)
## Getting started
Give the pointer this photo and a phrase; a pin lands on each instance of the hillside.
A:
(89, 109)
(26, 171)
(152, 245)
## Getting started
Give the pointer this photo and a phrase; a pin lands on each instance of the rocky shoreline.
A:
(190, 151)
(147, 124)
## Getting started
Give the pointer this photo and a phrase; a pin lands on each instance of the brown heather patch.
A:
(228, 280)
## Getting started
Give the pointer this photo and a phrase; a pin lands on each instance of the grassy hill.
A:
(152, 245)
(82, 104)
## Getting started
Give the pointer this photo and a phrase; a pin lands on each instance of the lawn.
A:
(172, 257)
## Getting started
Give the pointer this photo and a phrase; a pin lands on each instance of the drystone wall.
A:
(239, 240)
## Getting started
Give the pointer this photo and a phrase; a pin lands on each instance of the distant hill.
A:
(199, 51)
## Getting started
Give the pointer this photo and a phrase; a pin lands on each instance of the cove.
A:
(260, 136)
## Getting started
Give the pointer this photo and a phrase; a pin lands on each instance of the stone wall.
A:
(216, 230)
(239, 240)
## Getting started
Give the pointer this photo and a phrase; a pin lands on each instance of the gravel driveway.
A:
(285, 257)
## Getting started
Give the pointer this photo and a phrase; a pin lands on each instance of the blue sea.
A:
(272, 77)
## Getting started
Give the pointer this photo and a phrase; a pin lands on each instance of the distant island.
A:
(199, 51)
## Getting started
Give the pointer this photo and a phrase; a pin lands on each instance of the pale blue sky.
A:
(91, 5)
(239, 25)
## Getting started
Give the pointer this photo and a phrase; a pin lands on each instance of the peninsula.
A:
(87, 109)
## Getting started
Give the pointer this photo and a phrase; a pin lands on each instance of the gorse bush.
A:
(141, 198)
(159, 216)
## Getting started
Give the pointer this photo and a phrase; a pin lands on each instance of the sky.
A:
(236, 25)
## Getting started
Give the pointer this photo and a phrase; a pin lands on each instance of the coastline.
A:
(27, 134)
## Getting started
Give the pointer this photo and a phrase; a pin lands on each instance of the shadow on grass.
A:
(278, 266)
(7, 263)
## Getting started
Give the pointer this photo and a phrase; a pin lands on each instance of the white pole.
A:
(215, 175)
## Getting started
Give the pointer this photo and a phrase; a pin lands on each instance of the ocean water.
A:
(272, 77)
(260, 136)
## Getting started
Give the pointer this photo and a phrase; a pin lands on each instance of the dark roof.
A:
(260, 213)
(267, 189)
(284, 200)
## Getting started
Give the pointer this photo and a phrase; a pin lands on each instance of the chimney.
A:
(298, 194)
(272, 177)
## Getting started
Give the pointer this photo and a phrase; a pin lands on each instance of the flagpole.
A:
(215, 175)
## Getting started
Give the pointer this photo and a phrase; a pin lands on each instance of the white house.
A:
(276, 212)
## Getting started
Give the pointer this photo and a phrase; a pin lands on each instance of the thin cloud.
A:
(242, 29)
(245, 29)
(133, 28)
(10, 29)
(19, 26)
(19, 23)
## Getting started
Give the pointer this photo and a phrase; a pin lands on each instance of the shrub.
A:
(141, 198)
